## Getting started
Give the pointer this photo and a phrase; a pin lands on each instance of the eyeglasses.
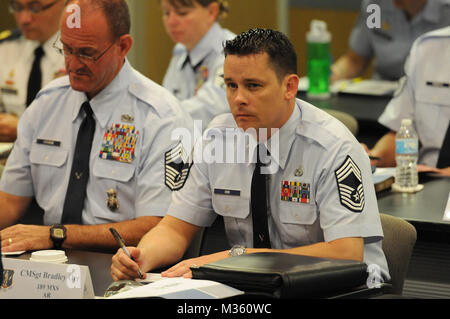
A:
(34, 7)
(84, 57)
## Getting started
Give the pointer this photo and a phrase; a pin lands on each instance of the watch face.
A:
(58, 233)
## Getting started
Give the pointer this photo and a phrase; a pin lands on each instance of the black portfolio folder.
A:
(281, 275)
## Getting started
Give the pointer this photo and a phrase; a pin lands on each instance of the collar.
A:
(282, 139)
(431, 12)
(210, 42)
(105, 100)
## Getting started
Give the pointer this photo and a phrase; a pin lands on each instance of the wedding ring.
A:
(10, 240)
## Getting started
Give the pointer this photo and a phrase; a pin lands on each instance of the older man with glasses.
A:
(28, 60)
(95, 147)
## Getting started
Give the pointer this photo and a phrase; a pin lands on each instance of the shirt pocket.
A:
(298, 222)
(112, 170)
(433, 94)
(48, 168)
(231, 206)
(48, 155)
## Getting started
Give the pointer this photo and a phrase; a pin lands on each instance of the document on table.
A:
(180, 288)
(446, 217)
(366, 87)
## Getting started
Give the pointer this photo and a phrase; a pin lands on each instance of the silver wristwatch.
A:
(237, 250)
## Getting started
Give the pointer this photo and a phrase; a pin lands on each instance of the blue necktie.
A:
(79, 175)
(35, 79)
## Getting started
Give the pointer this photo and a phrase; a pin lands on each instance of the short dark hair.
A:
(281, 52)
(223, 5)
(117, 15)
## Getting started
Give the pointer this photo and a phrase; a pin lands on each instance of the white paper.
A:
(366, 87)
(447, 210)
(180, 288)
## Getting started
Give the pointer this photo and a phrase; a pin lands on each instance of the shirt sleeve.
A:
(346, 195)
(360, 40)
(16, 178)
(402, 104)
(153, 195)
(193, 202)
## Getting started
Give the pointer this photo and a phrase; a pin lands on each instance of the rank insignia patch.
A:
(295, 192)
(119, 143)
(177, 168)
(350, 187)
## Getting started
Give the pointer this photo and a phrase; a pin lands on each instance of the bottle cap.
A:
(318, 32)
(406, 122)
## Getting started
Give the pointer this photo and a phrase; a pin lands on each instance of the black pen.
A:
(374, 158)
(121, 243)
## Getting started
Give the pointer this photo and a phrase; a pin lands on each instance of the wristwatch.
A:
(237, 250)
(57, 235)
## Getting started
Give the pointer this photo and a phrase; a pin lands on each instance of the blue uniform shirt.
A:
(390, 44)
(132, 104)
(424, 95)
(196, 77)
(310, 198)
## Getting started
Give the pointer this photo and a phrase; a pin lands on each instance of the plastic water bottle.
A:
(319, 59)
(406, 155)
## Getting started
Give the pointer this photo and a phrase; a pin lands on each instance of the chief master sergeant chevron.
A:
(120, 181)
(320, 200)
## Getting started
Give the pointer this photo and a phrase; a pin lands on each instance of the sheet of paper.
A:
(447, 210)
(151, 277)
(367, 87)
(180, 288)
(383, 173)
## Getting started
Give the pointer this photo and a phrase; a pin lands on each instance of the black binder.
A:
(281, 275)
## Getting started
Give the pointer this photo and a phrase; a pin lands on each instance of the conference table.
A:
(424, 209)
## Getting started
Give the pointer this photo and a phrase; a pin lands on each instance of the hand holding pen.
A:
(121, 243)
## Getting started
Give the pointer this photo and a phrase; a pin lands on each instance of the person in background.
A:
(313, 196)
(402, 22)
(424, 97)
(28, 60)
(195, 72)
(95, 147)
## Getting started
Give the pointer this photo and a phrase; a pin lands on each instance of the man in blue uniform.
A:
(312, 195)
(28, 60)
(402, 22)
(424, 97)
(95, 147)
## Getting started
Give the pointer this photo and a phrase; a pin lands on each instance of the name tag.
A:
(229, 192)
(48, 142)
(438, 84)
(24, 279)
(6, 90)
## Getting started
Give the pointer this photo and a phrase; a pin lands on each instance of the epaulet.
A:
(55, 84)
(9, 35)
(154, 95)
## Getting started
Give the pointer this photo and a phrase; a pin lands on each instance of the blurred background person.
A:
(195, 72)
(402, 22)
(28, 60)
(424, 97)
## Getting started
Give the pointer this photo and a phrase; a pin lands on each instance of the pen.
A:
(121, 242)
(374, 158)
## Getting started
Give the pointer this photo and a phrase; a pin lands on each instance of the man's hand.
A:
(26, 237)
(8, 127)
(123, 268)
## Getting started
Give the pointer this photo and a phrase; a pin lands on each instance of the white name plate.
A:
(24, 279)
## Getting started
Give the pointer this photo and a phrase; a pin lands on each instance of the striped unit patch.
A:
(349, 181)
(177, 168)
